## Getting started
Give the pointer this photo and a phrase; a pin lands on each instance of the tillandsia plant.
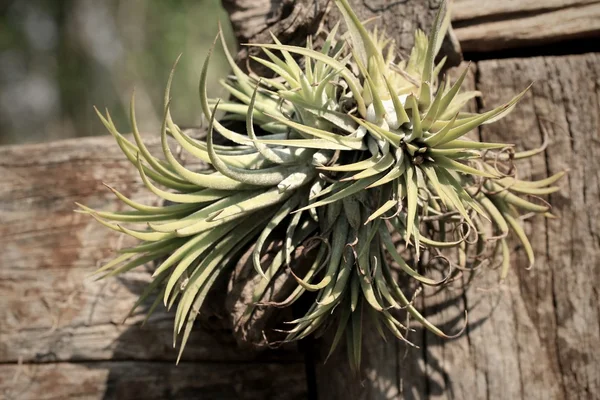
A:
(345, 147)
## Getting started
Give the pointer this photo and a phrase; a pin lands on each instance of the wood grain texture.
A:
(151, 381)
(485, 26)
(51, 309)
(534, 336)
(470, 9)
(556, 305)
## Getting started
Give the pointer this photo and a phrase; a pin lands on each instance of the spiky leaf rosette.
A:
(342, 147)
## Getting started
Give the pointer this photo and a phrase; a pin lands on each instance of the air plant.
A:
(342, 147)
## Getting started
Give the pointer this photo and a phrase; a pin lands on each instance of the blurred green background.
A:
(59, 58)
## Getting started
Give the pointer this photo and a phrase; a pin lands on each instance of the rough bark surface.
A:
(481, 26)
(291, 21)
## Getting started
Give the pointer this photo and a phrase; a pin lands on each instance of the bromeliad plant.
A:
(346, 148)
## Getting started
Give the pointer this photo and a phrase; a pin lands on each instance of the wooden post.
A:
(531, 337)
(534, 337)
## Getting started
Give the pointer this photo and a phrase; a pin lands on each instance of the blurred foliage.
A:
(59, 58)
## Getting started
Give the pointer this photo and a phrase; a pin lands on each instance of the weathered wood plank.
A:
(463, 10)
(483, 26)
(534, 336)
(50, 307)
(147, 380)
(555, 307)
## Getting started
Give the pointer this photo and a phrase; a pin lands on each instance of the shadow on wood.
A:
(62, 333)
